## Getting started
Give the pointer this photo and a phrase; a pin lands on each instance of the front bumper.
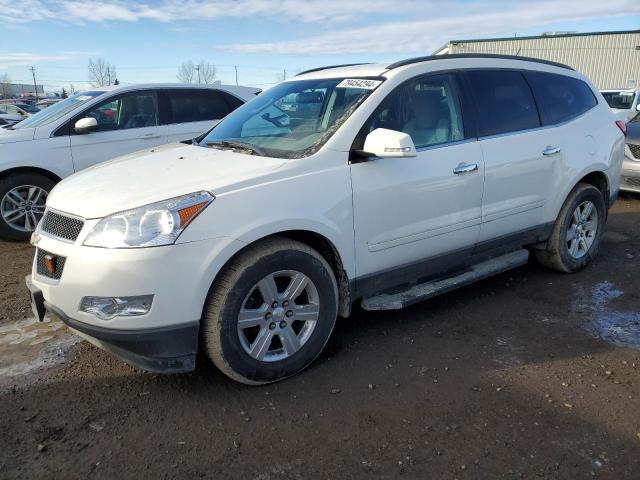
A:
(179, 276)
(162, 350)
(630, 180)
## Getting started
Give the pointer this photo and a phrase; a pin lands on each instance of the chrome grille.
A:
(61, 226)
(41, 263)
(635, 150)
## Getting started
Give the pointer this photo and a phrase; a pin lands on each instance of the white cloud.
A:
(19, 59)
(453, 21)
(22, 11)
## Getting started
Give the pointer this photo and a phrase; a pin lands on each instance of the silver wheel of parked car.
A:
(278, 316)
(270, 312)
(22, 207)
(582, 230)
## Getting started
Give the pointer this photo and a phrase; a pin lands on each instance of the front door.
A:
(418, 216)
(126, 123)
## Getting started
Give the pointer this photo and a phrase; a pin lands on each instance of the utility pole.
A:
(108, 76)
(236, 67)
(197, 67)
(35, 86)
(284, 74)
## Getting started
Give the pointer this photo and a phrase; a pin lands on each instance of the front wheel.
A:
(575, 238)
(271, 312)
(23, 197)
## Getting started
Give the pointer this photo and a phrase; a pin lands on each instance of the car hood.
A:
(8, 135)
(146, 177)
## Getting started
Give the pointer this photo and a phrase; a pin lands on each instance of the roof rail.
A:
(331, 66)
(429, 58)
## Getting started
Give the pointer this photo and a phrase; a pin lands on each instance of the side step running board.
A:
(423, 291)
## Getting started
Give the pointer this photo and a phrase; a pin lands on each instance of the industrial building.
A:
(609, 59)
(12, 90)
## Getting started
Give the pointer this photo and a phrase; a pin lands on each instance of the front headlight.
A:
(152, 225)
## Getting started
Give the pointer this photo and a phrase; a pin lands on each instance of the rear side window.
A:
(504, 100)
(199, 105)
(560, 98)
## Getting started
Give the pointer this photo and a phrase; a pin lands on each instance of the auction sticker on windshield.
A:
(359, 83)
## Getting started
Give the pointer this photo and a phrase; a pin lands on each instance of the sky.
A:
(266, 39)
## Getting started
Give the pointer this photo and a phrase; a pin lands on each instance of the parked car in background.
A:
(47, 102)
(631, 167)
(13, 109)
(380, 184)
(625, 103)
(9, 118)
(95, 126)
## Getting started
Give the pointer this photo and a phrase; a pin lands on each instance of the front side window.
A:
(619, 100)
(426, 108)
(504, 100)
(293, 119)
(132, 110)
(58, 110)
(560, 98)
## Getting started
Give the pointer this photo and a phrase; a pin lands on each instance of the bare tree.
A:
(203, 72)
(186, 72)
(5, 86)
(207, 72)
(101, 73)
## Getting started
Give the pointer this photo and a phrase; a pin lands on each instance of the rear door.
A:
(521, 159)
(188, 112)
(126, 123)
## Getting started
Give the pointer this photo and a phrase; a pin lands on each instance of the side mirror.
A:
(638, 107)
(85, 125)
(385, 143)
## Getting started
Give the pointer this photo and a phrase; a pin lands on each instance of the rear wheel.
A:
(23, 197)
(575, 238)
(271, 312)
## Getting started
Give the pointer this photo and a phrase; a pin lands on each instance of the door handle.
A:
(149, 135)
(465, 168)
(551, 151)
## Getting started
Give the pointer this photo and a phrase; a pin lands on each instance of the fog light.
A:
(105, 308)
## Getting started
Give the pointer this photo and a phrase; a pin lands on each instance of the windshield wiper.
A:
(233, 145)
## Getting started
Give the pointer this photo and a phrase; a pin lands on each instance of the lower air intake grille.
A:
(49, 265)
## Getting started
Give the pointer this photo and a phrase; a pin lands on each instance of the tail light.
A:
(622, 126)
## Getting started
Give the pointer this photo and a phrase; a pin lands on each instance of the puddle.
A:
(28, 345)
(604, 321)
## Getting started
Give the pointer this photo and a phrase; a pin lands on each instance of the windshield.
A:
(620, 100)
(293, 119)
(57, 110)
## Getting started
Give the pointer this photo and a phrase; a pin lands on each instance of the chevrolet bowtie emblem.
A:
(50, 263)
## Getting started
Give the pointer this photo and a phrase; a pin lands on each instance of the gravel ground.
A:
(530, 374)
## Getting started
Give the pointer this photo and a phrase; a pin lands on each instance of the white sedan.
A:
(95, 126)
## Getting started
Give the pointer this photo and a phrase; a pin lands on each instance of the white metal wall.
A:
(609, 60)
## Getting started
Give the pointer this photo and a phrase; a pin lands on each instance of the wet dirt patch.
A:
(28, 345)
(604, 320)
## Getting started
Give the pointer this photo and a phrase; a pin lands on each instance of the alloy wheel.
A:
(278, 316)
(582, 230)
(23, 206)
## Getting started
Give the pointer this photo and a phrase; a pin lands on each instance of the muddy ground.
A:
(531, 374)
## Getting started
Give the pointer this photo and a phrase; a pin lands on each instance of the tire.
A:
(561, 253)
(23, 184)
(244, 351)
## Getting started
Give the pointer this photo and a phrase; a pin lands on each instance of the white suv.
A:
(378, 184)
(95, 126)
